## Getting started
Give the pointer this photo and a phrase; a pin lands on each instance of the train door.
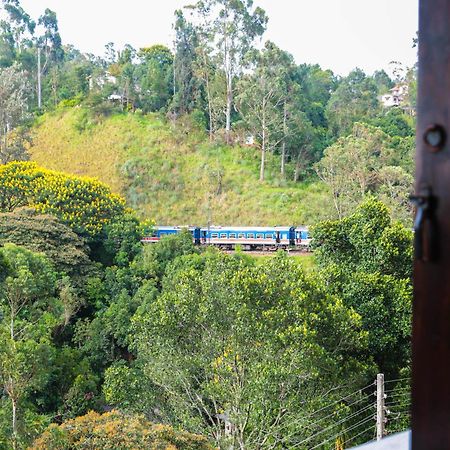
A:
(291, 236)
(196, 236)
(278, 238)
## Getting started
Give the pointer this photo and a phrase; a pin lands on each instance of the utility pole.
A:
(381, 420)
(39, 77)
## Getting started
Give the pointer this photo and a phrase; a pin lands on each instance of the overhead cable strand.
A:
(339, 434)
(339, 401)
(398, 403)
(401, 394)
(334, 412)
(359, 434)
(327, 406)
(398, 389)
(330, 427)
(397, 379)
(367, 397)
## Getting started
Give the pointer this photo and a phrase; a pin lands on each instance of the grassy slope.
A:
(173, 174)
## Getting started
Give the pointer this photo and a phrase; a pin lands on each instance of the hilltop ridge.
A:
(171, 173)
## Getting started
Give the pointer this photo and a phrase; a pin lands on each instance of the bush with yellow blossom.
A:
(115, 430)
(85, 204)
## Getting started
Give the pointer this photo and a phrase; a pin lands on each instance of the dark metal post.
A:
(431, 320)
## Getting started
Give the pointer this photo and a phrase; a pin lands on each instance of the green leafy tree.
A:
(383, 81)
(29, 312)
(354, 100)
(18, 28)
(367, 260)
(14, 89)
(317, 86)
(232, 26)
(45, 234)
(230, 349)
(262, 98)
(156, 78)
(365, 163)
(186, 83)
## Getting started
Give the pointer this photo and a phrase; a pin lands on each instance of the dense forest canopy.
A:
(100, 334)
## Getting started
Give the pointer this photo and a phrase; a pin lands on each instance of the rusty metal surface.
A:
(431, 307)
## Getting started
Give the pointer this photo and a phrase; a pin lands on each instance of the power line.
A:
(358, 401)
(359, 434)
(398, 389)
(330, 427)
(397, 379)
(396, 403)
(400, 394)
(400, 414)
(302, 419)
(339, 434)
(339, 401)
(334, 412)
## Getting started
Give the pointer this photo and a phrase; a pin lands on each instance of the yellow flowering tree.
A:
(119, 431)
(85, 204)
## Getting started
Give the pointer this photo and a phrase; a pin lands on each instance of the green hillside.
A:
(172, 173)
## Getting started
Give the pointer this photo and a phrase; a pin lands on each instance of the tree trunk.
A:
(263, 155)
(39, 90)
(283, 148)
(210, 112)
(297, 168)
(14, 423)
(229, 105)
(208, 96)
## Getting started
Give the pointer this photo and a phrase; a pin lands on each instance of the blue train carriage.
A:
(303, 239)
(249, 238)
(160, 231)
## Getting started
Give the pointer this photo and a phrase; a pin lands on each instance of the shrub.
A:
(114, 430)
(85, 204)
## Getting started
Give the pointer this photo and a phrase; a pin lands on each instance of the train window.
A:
(223, 235)
(259, 235)
(232, 235)
(241, 236)
(250, 235)
(214, 235)
(269, 236)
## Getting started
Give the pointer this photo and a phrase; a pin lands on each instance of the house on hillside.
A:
(396, 96)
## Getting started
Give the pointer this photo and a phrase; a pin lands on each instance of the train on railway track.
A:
(246, 238)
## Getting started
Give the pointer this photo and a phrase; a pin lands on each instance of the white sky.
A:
(337, 34)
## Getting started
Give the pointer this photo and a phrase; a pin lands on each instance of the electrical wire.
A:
(359, 434)
(400, 394)
(397, 403)
(367, 397)
(339, 434)
(397, 379)
(330, 427)
(339, 401)
(302, 419)
(334, 413)
(398, 389)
